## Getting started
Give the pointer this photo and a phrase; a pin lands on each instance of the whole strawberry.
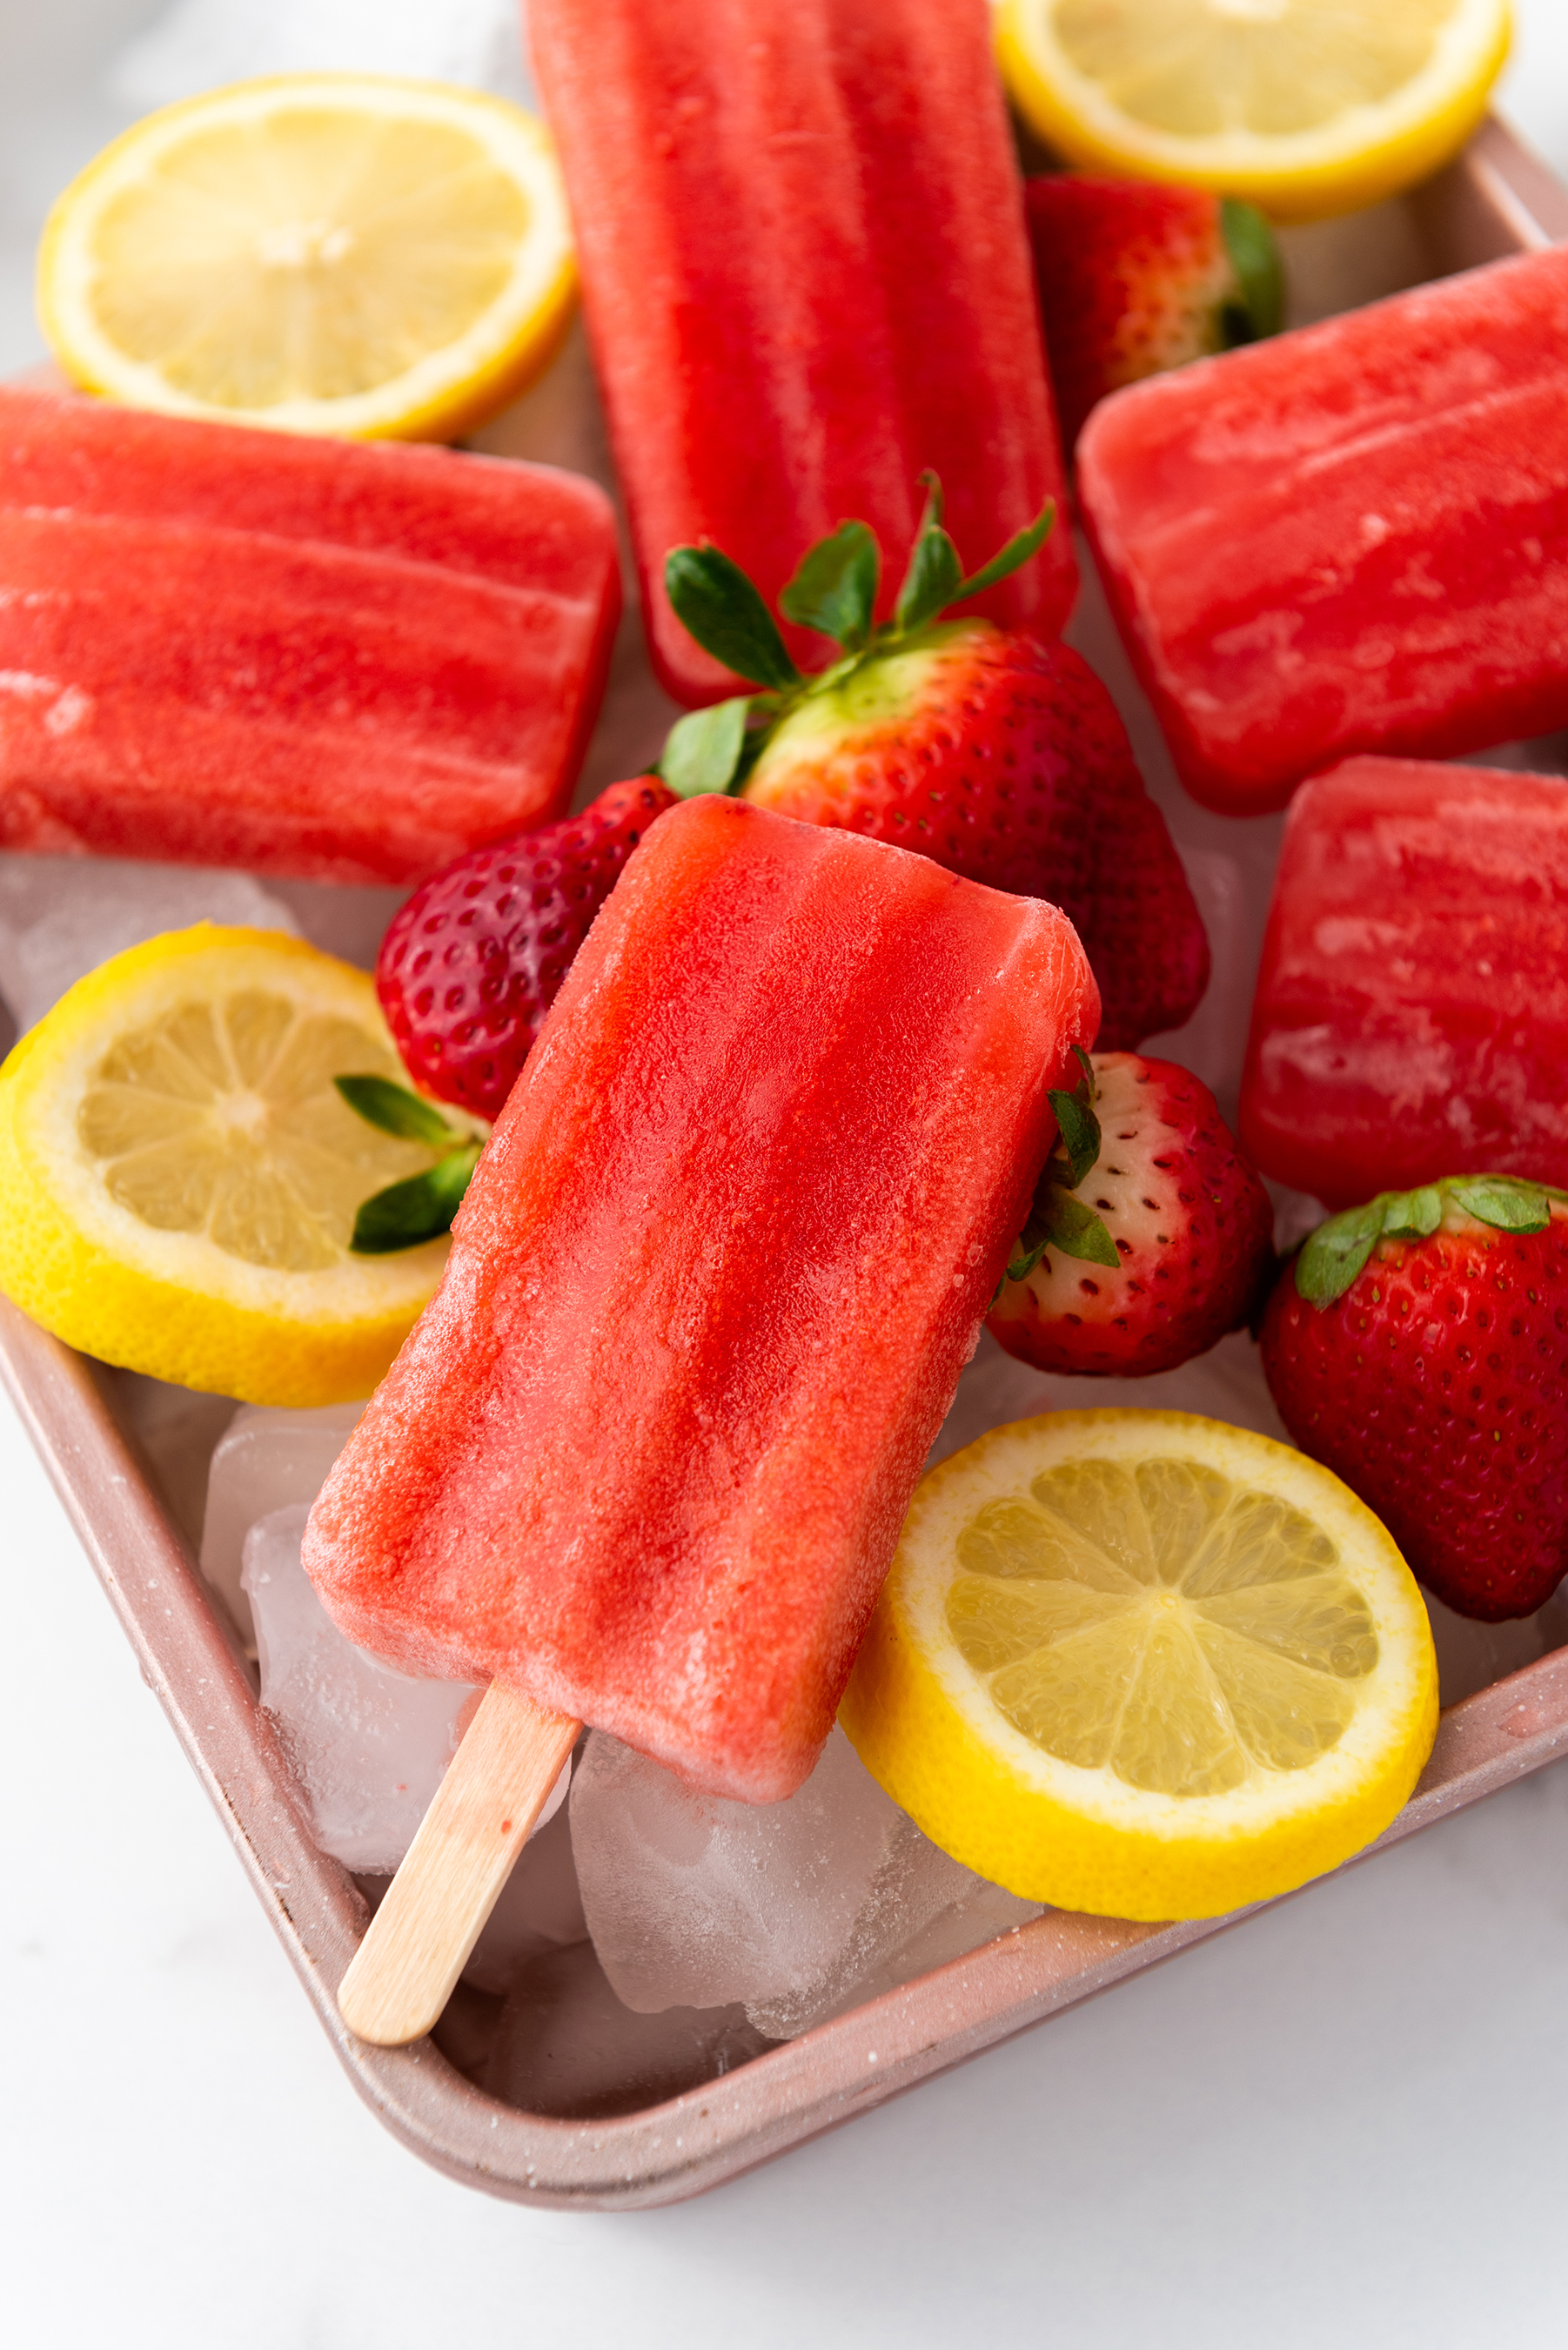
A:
(1418, 1348)
(1150, 1235)
(471, 963)
(997, 756)
(1135, 278)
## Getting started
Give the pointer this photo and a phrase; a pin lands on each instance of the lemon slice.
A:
(1144, 1664)
(1303, 107)
(321, 253)
(179, 1175)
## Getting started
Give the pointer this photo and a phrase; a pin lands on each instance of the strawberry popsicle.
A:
(646, 1457)
(1411, 1018)
(807, 277)
(347, 663)
(1352, 538)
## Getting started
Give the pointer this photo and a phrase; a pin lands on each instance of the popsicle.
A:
(347, 663)
(1411, 1018)
(807, 277)
(647, 1455)
(1354, 537)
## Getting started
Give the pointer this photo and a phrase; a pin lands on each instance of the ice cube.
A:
(265, 1461)
(369, 1745)
(62, 916)
(540, 1908)
(567, 2046)
(922, 1907)
(788, 1908)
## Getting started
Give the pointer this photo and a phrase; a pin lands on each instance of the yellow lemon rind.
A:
(86, 1270)
(1374, 153)
(922, 1721)
(442, 397)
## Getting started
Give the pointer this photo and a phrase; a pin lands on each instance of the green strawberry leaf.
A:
(1016, 552)
(834, 588)
(935, 573)
(718, 605)
(1334, 1255)
(419, 1209)
(1336, 1251)
(702, 751)
(1412, 1216)
(1078, 1129)
(395, 1110)
(1256, 258)
(1503, 1201)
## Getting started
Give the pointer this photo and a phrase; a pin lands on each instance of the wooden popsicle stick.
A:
(402, 1974)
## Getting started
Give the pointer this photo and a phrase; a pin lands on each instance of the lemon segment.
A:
(1304, 107)
(179, 1176)
(321, 253)
(1144, 1664)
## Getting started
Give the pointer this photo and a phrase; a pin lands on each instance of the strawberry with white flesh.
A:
(997, 755)
(1135, 278)
(1415, 1347)
(1151, 1234)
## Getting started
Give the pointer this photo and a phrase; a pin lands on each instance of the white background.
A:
(1344, 2124)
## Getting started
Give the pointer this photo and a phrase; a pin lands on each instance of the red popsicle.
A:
(1411, 1019)
(646, 1456)
(807, 277)
(1352, 538)
(342, 660)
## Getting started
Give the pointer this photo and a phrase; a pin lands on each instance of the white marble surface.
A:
(1341, 2124)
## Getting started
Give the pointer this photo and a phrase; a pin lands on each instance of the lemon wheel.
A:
(179, 1176)
(322, 253)
(1144, 1664)
(1305, 108)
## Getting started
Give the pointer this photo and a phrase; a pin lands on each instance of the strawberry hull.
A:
(341, 662)
(1411, 1015)
(647, 1454)
(1354, 537)
(806, 279)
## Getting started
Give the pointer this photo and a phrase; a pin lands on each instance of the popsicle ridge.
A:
(806, 278)
(647, 1454)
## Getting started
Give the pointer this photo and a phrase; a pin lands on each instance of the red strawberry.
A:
(471, 963)
(1419, 1346)
(1151, 1233)
(998, 755)
(1135, 278)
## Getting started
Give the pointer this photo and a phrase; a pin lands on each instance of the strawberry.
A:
(1135, 278)
(996, 755)
(1419, 1346)
(1151, 1234)
(471, 963)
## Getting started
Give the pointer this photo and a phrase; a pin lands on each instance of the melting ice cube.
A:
(265, 1461)
(368, 1744)
(795, 1909)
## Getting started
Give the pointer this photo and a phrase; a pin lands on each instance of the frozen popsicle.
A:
(1411, 1018)
(1352, 538)
(345, 663)
(807, 277)
(647, 1455)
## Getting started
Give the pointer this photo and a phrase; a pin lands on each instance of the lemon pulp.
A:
(180, 1178)
(1156, 1620)
(221, 1118)
(326, 253)
(1306, 107)
(1144, 1664)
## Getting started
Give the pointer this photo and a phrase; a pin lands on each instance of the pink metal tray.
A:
(1495, 201)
